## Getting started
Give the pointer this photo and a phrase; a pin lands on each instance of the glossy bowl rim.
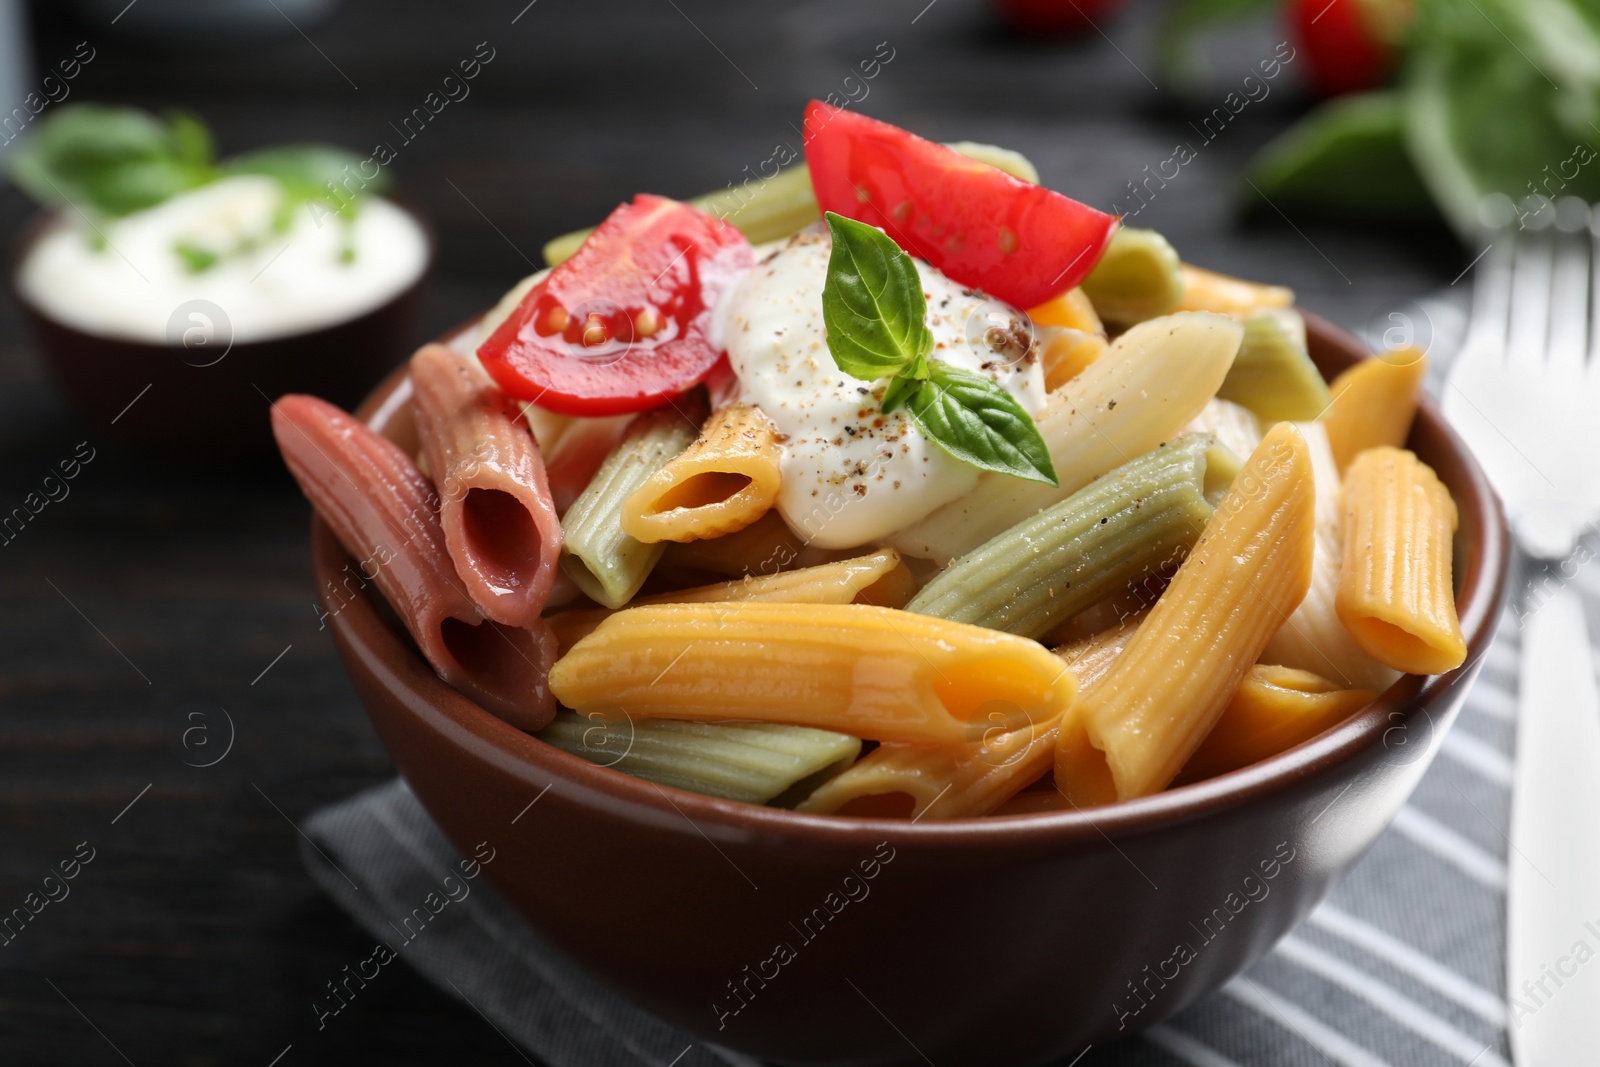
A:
(366, 636)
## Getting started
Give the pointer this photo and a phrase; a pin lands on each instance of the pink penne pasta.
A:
(383, 511)
(499, 521)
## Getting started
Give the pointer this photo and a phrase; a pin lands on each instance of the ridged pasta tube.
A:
(1137, 518)
(1205, 290)
(869, 671)
(384, 513)
(1151, 711)
(1143, 391)
(1374, 403)
(726, 480)
(1395, 591)
(1136, 279)
(499, 519)
(1273, 375)
(748, 761)
(606, 563)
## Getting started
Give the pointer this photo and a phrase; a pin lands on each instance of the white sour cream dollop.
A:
(270, 282)
(852, 475)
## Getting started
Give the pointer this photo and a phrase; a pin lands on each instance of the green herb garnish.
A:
(877, 320)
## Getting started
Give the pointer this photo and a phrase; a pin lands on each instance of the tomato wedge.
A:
(623, 325)
(1022, 243)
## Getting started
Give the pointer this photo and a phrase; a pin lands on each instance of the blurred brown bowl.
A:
(988, 942)
(203, 404)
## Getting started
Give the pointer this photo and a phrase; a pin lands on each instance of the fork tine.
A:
(1491, 299)
(1569, 292)
(1530, 295)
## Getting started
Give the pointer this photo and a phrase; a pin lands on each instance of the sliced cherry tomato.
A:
(623, 325)
(1022, 243)
(1343, 54)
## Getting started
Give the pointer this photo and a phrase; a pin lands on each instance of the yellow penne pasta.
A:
(726, 480)
(766, 546)
(1273, 710)
(1314, 638)
(1143, 391)
(1205, 290)
(939, 781)
(1374, 403)
(1067, 353)
(870, 579)
(1072, 310)
(868, 671)
(1395, 592)
(1152, 709)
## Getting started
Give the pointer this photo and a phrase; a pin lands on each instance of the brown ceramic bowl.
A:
(203, 404)
(822, 940)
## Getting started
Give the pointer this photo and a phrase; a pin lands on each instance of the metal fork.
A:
(1525, 393)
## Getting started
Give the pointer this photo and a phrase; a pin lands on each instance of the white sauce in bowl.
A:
(852, 475)
(286, 281)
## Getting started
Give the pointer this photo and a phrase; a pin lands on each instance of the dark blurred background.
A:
(162, 587)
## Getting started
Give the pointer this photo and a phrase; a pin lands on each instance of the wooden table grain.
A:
(161, 595)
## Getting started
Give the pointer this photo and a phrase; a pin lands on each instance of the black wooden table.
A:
(159, 592)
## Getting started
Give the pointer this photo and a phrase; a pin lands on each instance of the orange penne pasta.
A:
(1072, 309)
(1374, 403)
(726, 480)
(871, 579)
(1152, 709)
(1395, 593)
(1067, 353)
(1273, 710)
(499, 521)
(873, 672)
(383, 512)
(1205, 290)
(767, 546)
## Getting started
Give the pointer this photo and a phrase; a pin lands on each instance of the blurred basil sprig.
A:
(1488, 96)
(112, 161)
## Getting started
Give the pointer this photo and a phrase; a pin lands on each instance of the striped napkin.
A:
(1402, 967)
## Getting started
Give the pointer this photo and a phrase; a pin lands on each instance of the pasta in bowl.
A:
(953, 738)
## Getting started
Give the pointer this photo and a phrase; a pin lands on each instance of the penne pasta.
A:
(1374, 402)
(1154, 707)
(383, 511)
(726, 480)
(748, 761)
(1205, 290)
(1273, 375)
(1273, 710)
(606, 563)
(1067, 353)
(1135, 519)
(573, 448)
(1395, 592)
(1233, 425)
(766, 546)
(876, 578)
(1143, 391)
(1314, 638)
(1072, 310)
(1137, 278)
(499, 521)
(939, 781)
(869, 671)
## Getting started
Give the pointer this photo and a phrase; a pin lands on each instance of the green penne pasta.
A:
(1143, 515)
(768, 209)
(1222, 467)
(607, 564)
(753, 762)
(1139, 277)
(1273, 375)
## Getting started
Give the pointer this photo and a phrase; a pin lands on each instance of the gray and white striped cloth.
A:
(1402, 967)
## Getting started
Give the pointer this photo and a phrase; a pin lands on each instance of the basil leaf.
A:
(111, 160)
(977, 422)
(872, 302)
(901, 386)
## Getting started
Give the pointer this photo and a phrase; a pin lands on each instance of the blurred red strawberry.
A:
(1053, 18)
